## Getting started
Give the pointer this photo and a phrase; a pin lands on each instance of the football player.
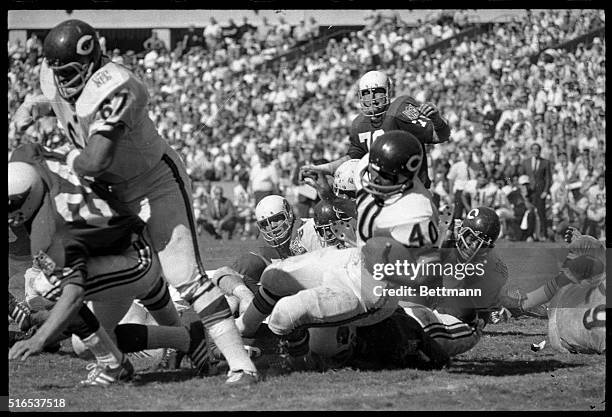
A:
(329, 287)
(84, 247)
(102, 107)
(379, 114)
(576, 296)
(455, 323)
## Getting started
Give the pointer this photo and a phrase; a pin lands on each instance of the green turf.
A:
(500, 373)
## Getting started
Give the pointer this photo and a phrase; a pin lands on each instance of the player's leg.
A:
(451, 334)
(173, 231)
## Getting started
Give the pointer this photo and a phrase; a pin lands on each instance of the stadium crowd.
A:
(528, 138)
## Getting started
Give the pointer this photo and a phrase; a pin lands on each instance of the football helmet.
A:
(374, 92)
(324, 218)
(344, 180)
(25, 192)
(73, 53)
(274, 218)
(394, 161)
(479, 230)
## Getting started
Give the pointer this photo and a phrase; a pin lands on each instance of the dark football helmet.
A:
(324, 218)
(394, 161)
(73, 53)
(479, 230)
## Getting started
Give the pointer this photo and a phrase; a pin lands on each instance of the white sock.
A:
(103, 348)
(225, 335)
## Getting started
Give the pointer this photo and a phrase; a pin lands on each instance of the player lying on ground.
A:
(85, 246)
(330, 287)
(102, 106)
(576, 296)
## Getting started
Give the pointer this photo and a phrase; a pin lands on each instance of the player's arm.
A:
(31, 109)
(328, 168)
(320, 183)
(114, 117)
(95, 158)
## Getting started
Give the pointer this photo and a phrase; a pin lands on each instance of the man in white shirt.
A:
(264, 178)
(458, 175)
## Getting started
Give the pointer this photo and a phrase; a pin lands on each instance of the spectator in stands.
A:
(522, 225)
(219, 218)
(212, 34)
(33, 49)
(153, 43)
(313, 28)
(264, 177)
(102, 41)
(459, 174)
(192, 39)
(539, 172)
(244, 28)
(596, 210)
(230, 30)
(244, 202)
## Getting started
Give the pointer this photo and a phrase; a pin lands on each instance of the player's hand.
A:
(313, 170)
(26, 348)
(24, 117)
(570, 234)
(429, 110)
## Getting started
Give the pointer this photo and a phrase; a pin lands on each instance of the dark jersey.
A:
(489, 275)
(403, 114)
(73, 223)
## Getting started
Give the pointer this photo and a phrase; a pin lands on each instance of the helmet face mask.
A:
(274, 220)
(72, 52)
(477, 233)
(70, 79)
(470, 243)
(374, 92)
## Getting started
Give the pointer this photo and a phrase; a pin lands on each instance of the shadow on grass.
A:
(501, 367)
(164, 377)
(511, 333)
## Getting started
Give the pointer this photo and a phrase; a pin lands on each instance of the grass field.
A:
(500, 373)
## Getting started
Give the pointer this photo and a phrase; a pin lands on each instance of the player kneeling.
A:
(577, 308)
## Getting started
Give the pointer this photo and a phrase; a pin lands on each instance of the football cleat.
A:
(200, 350)
(104, 376)
(239, 378)
(19, 313)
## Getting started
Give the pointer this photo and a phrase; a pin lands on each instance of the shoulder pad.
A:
(47, 83)
(100, 86)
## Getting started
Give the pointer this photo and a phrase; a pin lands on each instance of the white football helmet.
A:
(275, 219)
(370, 87)
(25, 192)
(344, 179)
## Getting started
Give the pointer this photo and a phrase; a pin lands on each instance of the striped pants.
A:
(453, 335)
(113, 283)
(162, 197)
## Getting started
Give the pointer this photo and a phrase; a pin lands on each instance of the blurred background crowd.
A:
(527, 116)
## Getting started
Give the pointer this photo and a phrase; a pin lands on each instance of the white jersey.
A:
(306, 238)
(112, 96)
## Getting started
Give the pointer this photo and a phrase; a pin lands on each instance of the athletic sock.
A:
(103, 348)
(227, 339)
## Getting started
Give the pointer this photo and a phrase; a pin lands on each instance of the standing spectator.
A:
(264, 178)
(212, 34)
(458, 175)
(117, 57)
(220, 217)
(154, 43)
(244, 28)
(313, 28)
(230, 30)
(523, 225)
(33, 49)
(102, 41)
(245, 206)
(596, 210)
(192, 39)
(301, 33)
(539, 171)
